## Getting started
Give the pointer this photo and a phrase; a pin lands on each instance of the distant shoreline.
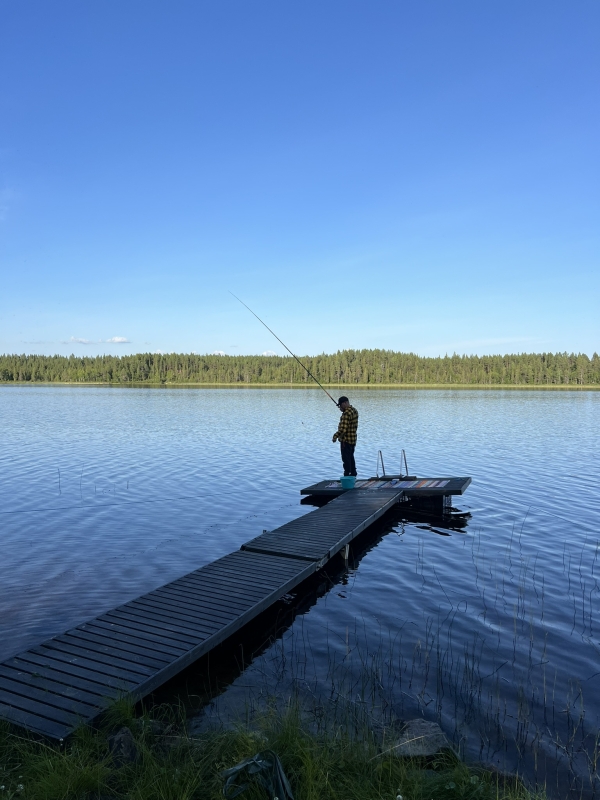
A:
(345, 386)
(344, 369)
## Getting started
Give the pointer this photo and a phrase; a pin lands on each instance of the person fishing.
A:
(348, 426)
(346, 434)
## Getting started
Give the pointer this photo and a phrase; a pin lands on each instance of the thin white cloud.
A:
(269, 353)
(81, 340)
(218, 353)
(77, 340)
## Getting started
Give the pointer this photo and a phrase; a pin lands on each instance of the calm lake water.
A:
(487, 624)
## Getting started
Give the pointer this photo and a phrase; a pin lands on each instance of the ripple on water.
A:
(108, 493)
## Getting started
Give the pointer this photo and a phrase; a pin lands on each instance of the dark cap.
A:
(342, 399)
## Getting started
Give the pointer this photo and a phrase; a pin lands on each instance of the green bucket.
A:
(348, 481)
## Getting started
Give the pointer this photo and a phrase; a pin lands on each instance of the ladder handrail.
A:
(380, 458)
(405, 464)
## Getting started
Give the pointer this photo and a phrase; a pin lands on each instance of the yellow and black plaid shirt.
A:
(348, 426)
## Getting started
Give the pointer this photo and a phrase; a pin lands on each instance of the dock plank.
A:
(198, 589)
(111, 649)
(126, 633)
(11, 692)
(67, 689)
(57, 653)
(33, 722)
(190, 600)
(77, 652)
(200, 615)
(115, 645)
(214, 610)
(231, 595)
(48, 667)
(41, 709)
(150, 622)
(150, 609)
(229, 583)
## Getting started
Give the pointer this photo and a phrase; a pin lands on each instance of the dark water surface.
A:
(492, 629)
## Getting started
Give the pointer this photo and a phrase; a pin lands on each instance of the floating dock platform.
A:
(71, 679)
(430, 495)
(410, 485)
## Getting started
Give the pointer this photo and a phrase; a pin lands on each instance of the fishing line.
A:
(286, 347)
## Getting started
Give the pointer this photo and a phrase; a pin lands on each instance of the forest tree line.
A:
(374, 367)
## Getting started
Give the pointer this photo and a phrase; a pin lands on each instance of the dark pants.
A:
(348, 458)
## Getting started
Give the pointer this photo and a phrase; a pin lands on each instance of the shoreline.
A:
(346, 386)
(155, 754)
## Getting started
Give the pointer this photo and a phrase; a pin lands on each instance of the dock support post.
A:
(345, 553)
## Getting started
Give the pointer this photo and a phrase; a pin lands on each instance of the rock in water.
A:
(421, 738)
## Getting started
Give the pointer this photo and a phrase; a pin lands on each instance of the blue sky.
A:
(418, 176)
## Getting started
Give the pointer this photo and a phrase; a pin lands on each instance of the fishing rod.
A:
(286, 347)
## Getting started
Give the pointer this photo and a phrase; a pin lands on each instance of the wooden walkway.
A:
(130, 651)
(318, 536)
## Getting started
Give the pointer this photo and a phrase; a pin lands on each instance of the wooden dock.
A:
(70, 679)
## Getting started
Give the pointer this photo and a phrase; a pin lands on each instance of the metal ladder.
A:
(402, 461)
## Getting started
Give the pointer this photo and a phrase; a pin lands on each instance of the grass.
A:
(172, 765)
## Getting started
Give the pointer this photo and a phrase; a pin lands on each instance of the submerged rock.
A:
(420, 738)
